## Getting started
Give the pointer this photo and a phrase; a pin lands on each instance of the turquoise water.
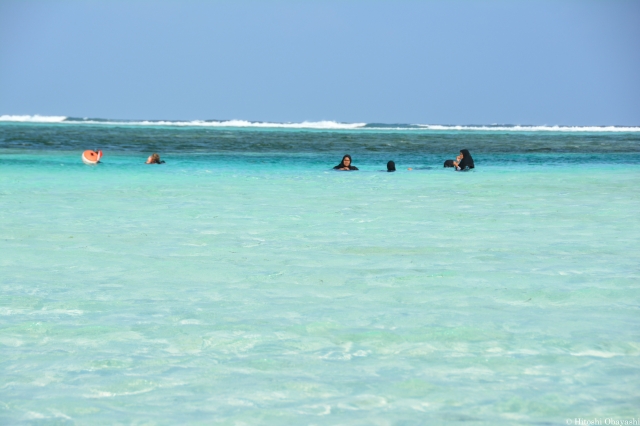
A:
(246, 283)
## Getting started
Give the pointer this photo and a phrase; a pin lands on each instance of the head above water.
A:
(391, 166)
(467, 160)
(345, 163)
(153, 159)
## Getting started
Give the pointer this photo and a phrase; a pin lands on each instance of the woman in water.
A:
(391, 166)
(464, 161)
(345, 164)
(154, 159)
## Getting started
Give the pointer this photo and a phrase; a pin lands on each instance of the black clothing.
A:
(342, 166)
(467, 161)
(391, 166)
(448, 163)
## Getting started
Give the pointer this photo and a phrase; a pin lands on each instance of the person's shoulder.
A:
(353, 168)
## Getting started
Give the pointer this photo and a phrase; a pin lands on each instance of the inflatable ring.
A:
(91, 157)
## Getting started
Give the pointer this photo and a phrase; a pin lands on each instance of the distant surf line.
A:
(314, 125)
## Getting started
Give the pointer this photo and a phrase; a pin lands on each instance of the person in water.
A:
(154, 159)
(448, 163)
(464, 161)
(391, 166)
(345, 164)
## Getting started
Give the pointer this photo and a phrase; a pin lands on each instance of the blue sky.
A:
(430, 62)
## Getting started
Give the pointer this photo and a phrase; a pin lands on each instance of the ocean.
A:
(246, 282)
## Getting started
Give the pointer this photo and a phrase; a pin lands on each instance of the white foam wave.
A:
(33, 118)
(320, 125)
(533, 128)
(244, 123)
(194, 123)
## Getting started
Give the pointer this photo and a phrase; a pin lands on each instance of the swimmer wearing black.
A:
(464, 161)
(345, 164)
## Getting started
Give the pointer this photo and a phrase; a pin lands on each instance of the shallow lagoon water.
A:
(260, 287)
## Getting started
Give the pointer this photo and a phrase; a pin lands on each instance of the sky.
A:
(556, 62)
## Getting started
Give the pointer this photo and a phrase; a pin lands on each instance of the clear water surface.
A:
(244, 282)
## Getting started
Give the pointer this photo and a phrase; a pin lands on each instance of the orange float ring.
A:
(91, 157)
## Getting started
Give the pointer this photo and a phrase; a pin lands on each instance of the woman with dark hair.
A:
(464, 161)
(391, 166)
(345, 164)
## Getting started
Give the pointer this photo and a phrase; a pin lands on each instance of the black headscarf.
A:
(448, 163)
(466, 161)
(391, 166)
(341, 165)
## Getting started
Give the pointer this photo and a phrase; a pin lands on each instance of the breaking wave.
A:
(33, 118)
(518, 128)
(178, 123)
(319, 125)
